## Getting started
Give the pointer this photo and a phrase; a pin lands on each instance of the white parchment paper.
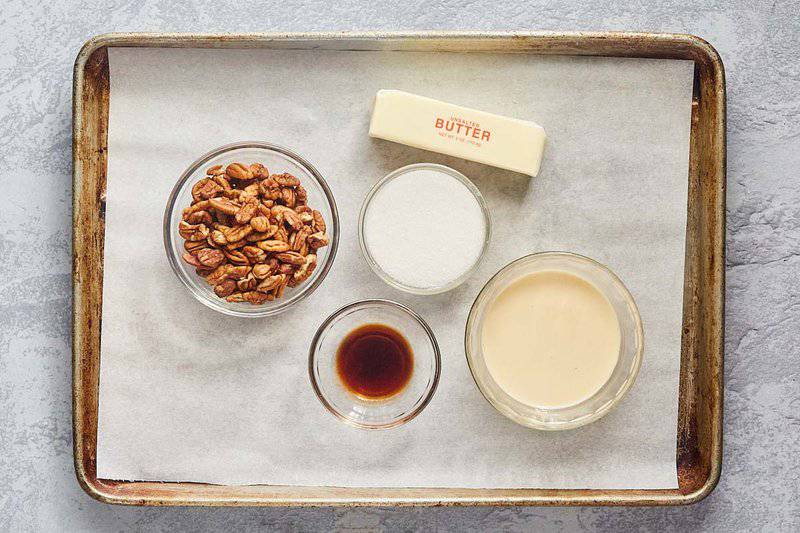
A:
(187, 394)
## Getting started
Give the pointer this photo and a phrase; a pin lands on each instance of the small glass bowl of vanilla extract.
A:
(374, 364)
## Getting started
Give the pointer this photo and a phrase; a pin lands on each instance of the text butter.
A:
(449, 129)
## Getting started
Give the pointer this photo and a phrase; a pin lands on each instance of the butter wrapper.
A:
(429, 124)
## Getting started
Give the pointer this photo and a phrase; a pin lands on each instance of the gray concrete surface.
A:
(760, 44)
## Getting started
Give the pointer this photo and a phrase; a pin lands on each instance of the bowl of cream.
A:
(424, 228)
(554, 340)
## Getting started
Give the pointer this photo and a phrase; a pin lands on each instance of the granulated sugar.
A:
(424, 228)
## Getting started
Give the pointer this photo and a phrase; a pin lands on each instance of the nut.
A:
(192, 260)
(238, 171)
(254, 254)
(246, 284)
(218, 237)
(285, 180)
(270, 283)
(192, 232)
(262, 270)
(302, 195)
(235, 297)
(247, 212)
(222, 181)
(319, 222)
(224, 205)
(220, 274)
(193, 246)
(293, 258)
(225, 288)
(305, 271)
(205, 189)
(238, 233)
(200, 217)
(274, 246)
(306, 217)
(259, 171)
(260, 224)
(213, 171)
(257, 298)
(238, 272)
(288, 196)
(298, 240)
(236, 257)
(210, 257)
(317, 240)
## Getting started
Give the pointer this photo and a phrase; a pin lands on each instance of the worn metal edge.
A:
(77, 286)
(708, 54)
(156, 39)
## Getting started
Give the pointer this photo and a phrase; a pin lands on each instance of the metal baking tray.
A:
(699, 432)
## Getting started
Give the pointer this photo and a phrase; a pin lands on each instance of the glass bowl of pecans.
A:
(250, 229)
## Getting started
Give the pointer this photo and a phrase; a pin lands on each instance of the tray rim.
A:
(699, 49)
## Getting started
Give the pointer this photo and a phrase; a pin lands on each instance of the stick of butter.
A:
(430, 124)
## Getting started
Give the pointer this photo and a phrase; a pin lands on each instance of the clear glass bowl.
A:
(277, 160)
(623, 375)
(381, 413)
(382, 273)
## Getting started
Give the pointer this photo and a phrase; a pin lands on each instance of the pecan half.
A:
(193, 232)
(254, 254)
(213, 171)
(317, 240)
(281, 235)
(235, 297)
(293, 258)
(193, 246)
(247, 211)
(257, 298)
(220, 274)
(274, 246)
(281, 286)
(200, 217)
(239, 172)
(210, 257)
(236, 257)
(218, 237)
(225, 288)
(285, 180)
(319, 222)
(223, 205)
(238, 272)
(260, 224)
(262, 270)
(192, 260)
(238, 233)
(270, 282)
(256, 236)
(223, 182)
(298, 240)
(288, 197)
(302, 195)
(205, 189)
(305, 271)
(259, 171)
(247, 284)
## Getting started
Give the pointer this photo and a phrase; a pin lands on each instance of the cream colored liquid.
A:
(550, 339)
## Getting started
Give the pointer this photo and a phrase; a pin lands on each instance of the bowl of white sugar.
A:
(424, 228)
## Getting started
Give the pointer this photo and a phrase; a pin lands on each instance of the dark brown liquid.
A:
(375, 361)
